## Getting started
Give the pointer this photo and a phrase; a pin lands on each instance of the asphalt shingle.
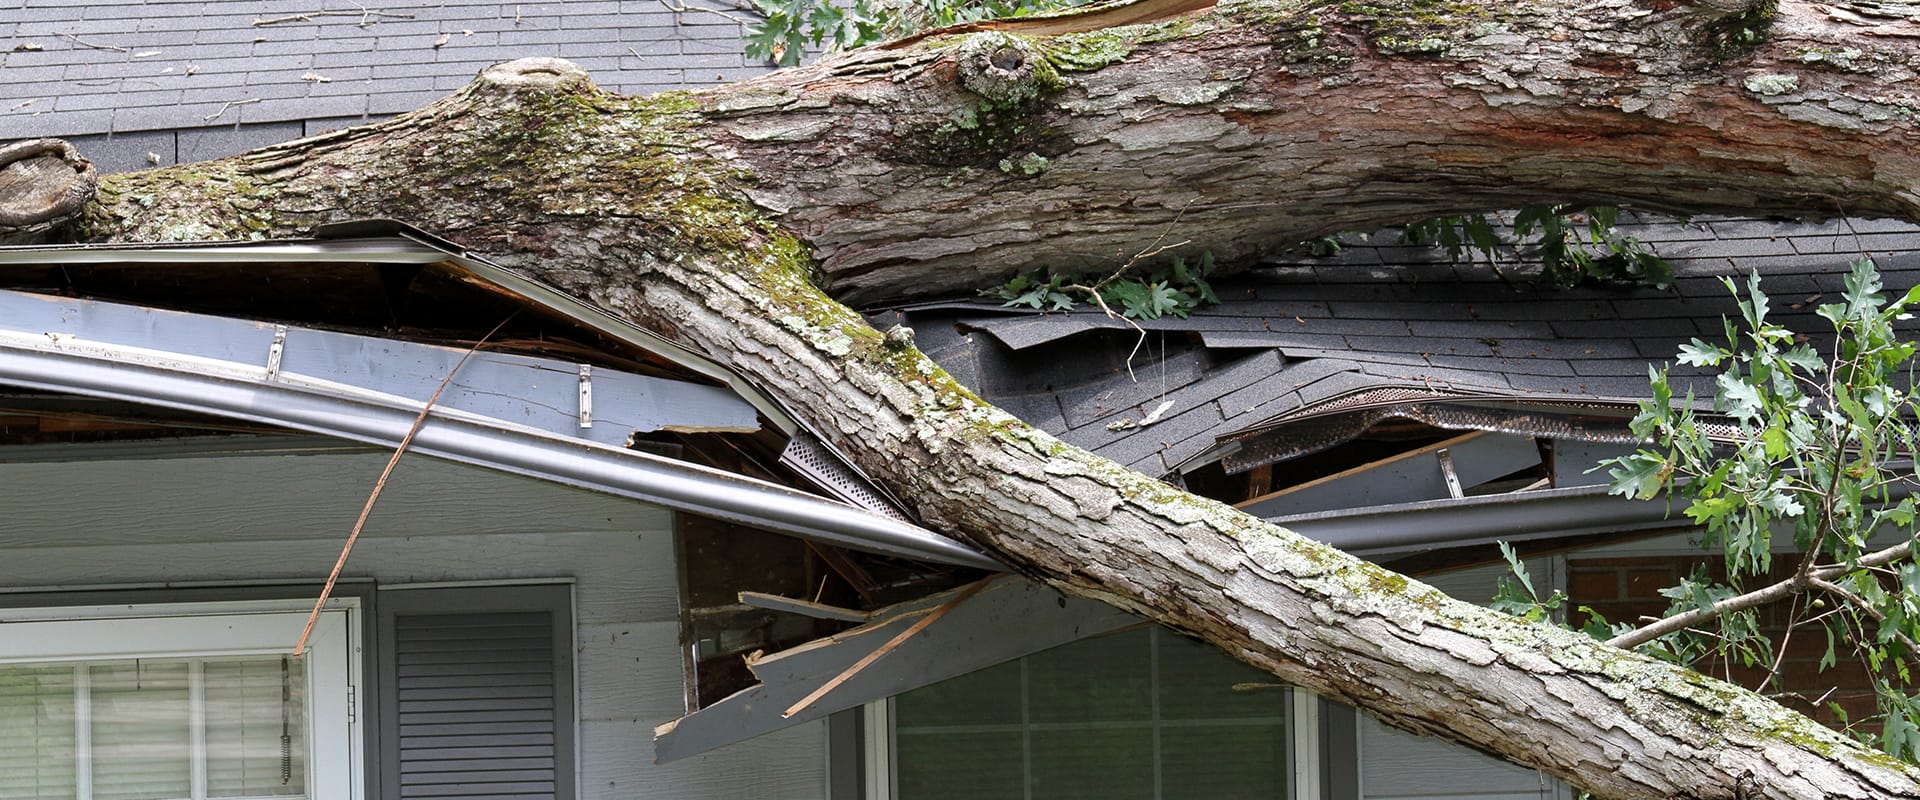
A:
(169, 65)
(1480, 332)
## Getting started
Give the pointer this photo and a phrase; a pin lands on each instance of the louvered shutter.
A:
(478, 694)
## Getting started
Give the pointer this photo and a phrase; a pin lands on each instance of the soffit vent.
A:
(809, 457)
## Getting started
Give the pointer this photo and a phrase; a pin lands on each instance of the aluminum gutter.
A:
(1463, 522)
(512, 413)
(394, 242)
(1440, 524)
(408, 246)
(473, 440)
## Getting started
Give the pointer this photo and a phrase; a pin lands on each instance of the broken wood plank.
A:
(931, 617)
(1007, 620)
(774, 602)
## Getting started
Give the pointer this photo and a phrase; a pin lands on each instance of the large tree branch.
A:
(714, 217)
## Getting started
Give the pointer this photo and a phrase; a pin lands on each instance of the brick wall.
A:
(1626, 589)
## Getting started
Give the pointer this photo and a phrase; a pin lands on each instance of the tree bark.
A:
(724, 219)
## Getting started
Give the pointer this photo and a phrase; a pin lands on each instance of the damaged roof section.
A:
(354, 337)
(1325, 348)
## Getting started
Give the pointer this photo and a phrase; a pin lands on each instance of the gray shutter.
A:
(478, 699)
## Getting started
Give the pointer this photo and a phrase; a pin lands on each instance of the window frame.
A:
(335, 736)
(1308, 752)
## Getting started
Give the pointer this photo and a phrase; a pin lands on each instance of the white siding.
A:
(241, 518)
(1396, 765)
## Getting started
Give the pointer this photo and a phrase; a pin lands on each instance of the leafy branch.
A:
(1574, 245)
(1173, 289)
(1825, 447)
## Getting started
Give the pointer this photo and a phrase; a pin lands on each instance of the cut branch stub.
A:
(533, 73)
(43, 180)
(1003, 69)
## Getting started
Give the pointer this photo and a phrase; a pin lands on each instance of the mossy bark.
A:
(732, 219)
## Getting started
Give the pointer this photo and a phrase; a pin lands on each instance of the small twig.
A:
(229, 104)
(884, 649)
(380, 485)
(366, 15)
(1913, 649)
(84, 43)
(1156, 247)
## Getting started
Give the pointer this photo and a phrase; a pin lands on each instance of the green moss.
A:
(1085, 52)
(1736, 35)
(1414, 27)
(215, 200)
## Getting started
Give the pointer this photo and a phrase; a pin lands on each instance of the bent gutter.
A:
(1438, 524)
(471, 440)
(153, 376)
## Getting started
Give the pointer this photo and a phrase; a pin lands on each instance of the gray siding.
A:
(251, 518)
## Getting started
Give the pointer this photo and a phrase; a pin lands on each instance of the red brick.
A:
(1592, 586)
(1647, 583)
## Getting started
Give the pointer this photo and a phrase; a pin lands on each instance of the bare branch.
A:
(367, 17)
(1759, 597)
(684, 8)
(1913, 650)
(84, 43)
(227, 105)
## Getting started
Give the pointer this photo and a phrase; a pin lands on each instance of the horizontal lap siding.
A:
(238, 519)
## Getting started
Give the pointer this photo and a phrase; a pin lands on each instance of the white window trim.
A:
(1303, 727)
(189, 630)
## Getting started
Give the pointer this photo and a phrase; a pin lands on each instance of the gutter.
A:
(472, 439)
(1375, 531)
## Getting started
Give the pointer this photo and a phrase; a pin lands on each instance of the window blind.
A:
(153, 729)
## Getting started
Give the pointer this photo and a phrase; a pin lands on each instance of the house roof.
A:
(1384, 325)
(238, 74)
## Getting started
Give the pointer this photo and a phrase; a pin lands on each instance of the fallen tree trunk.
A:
(718, 218)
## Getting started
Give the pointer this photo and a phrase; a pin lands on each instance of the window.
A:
(180, 702)
(1141, 714)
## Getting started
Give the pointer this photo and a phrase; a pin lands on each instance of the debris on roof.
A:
(1329, 364)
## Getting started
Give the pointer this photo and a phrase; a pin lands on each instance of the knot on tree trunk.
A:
(1005, 70)
(535, 74)
(43, 181)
